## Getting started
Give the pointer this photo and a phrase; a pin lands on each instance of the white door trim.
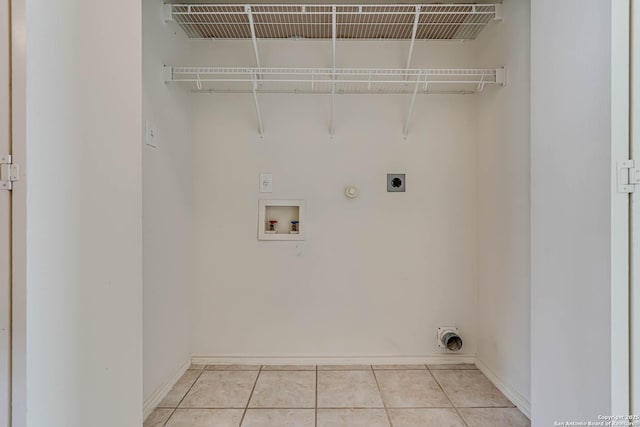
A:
(5, 224)
(19, 215)
(620, 150)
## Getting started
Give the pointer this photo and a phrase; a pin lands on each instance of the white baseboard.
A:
(513, 395)
(156, 397)
(200, 359)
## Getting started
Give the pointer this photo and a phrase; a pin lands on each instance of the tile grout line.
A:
(317, 370)
(448, 398)
(194, 408)
(246, 408)
(384, 403)
(184, 396)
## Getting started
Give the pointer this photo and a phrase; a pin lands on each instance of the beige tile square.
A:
(158, 417)
(494, 417)
(177, 392)
(233, 367)
(344, 367)
(285, 389)
(288, 367)
(470, 388)
(400, 367)
(221, 389)
(452, 366)
(410, 389)
(431, 417)
(348, 389)
(279, 418)
(352, 418)
(206, 418)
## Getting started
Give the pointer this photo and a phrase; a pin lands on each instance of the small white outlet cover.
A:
(150, 134)
(266, 183)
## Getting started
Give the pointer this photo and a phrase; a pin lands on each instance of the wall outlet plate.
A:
(150, 134)
(396, 183)
(266, 183)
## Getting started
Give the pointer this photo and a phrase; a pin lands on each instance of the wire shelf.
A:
(353, 22)
(339, 81)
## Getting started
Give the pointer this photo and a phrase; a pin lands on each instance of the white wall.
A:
(376, 275)
(570, 210)
(167, 204)
(84, 280)
(503, 206)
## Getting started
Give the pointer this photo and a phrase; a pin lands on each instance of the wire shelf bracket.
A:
(255, 100)
(253, 36)
(333, 69)
(416, 21)
(405, 132)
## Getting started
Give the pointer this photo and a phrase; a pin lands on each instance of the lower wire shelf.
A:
(339, 80)
(332, 81)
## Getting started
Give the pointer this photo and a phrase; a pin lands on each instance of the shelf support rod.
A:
(333, 95)
(333, 34)
(416, 19)
(333, 69)
(253, 35)
(413, 102)
(254, 85)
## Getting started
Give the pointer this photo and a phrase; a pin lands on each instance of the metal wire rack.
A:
(334, 22)
(332, 81)
(352, 22)
(339, 80)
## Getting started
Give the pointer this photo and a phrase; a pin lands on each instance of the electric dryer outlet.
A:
(396, 183)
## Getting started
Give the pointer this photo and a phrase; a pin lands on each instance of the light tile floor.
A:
(335, 396)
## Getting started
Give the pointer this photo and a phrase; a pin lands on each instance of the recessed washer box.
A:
(282, 211)
(396, 183)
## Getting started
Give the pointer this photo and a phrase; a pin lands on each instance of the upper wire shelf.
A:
(339, 80)
(352, 22)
